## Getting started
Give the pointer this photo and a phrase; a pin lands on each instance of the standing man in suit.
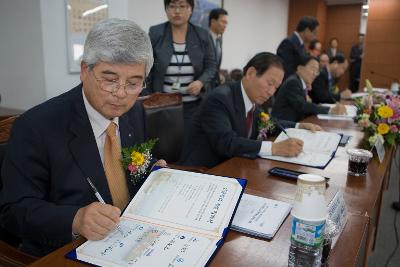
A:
(226, 125)
(217, 22)
(333, 49)
(291, 100)
(356, 55)
(324, 88)
(292, 48)
(46, 199)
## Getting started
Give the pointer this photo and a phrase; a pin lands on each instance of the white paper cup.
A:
(309, 203)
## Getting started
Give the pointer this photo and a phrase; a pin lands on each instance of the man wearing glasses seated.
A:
(46, 199)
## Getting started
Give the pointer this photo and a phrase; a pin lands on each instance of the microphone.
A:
(384, 75)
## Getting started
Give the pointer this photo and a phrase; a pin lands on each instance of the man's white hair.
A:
(118, 41)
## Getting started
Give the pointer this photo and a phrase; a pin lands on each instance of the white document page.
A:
(143, 244)
(350, 109)
(260, 216)
(318, 147)
(186, 200)
(357, 95)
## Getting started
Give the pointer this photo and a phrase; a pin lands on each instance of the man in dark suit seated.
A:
(291, 100)
(226, 124)
(292, 49)
(324, 89)
(46, 199)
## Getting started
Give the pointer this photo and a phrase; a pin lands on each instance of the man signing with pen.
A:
(45, 199)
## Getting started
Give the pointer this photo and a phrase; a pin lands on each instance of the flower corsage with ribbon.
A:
(265, 126)
(136, 160)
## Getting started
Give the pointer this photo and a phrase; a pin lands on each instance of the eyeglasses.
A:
(112, 86)
(177, 7)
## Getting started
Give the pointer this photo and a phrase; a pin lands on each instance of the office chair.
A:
(164, 119)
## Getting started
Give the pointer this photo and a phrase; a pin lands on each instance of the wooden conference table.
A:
(362, 196)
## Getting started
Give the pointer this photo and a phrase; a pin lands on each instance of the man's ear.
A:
(251, 72)
(299, 67)
(84, 70)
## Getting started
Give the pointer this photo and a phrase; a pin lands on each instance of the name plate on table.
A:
(337, 213)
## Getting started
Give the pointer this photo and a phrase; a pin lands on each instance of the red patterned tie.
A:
(249, 121)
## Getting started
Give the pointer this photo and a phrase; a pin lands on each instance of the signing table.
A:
(361, 194)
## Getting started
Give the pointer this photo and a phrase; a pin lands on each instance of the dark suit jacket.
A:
(200, 50)
(52, 150)
(321, 92)
(329, 52)
(291, 104)
(291, 51)
(219, 129)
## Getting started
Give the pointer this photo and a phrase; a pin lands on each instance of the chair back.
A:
(164, 119)
(5, 128)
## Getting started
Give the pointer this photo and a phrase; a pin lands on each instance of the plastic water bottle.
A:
(306, 243)
(309, 215)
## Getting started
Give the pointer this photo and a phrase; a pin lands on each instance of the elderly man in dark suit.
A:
(46, 199)
(226, 124)
(291, 100)
(324, 89)
(292, 48)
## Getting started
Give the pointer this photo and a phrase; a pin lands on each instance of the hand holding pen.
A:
(290, 147)
(101, 200)
(96, 220)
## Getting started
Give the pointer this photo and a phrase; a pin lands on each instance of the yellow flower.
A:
(137, 158)
(385, 112)
(264, 117)
(383, 128)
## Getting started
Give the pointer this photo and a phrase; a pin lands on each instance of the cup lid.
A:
(359, 152)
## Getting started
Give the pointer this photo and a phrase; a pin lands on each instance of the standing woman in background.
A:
(184, 57)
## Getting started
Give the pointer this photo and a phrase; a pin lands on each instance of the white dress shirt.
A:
(299, 37)
(99, 125)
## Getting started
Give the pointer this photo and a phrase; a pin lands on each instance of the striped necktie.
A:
(113, 168)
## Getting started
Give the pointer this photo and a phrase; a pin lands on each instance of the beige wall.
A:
(382, 43)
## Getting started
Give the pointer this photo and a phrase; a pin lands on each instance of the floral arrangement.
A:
(265, 126)
(379, 116)
(136, 159)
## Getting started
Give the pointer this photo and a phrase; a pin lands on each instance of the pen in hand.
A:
(281, 127)
(101, 200)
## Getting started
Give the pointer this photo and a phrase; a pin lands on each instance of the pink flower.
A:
(132, 168)
(394, 129)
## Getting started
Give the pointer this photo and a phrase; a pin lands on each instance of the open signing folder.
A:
(351, 113)
(177, 218)
(318, 148)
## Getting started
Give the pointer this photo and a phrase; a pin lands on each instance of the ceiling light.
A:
(93, 10)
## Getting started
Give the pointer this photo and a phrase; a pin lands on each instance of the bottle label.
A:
(308, 233)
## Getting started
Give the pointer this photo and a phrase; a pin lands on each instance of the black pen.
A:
(101, 200)
(280, 127)
(283, 130)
